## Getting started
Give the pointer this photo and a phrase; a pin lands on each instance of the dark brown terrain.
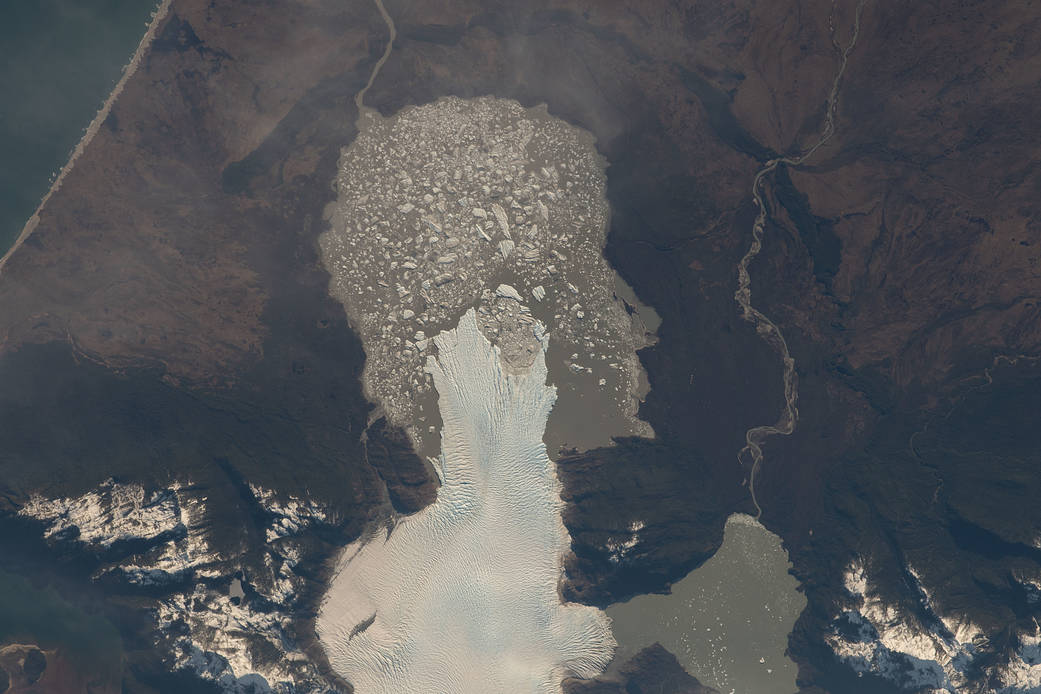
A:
(169, 317)
(25, 669)
(652, 670)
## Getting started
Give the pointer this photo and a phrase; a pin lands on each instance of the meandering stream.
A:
(766, 328)
(359, 98)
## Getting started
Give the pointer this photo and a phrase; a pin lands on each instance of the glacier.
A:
(463, 596)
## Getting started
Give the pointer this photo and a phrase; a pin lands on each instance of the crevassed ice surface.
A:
(462, 596)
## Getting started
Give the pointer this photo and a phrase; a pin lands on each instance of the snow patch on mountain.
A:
(186, 555)
(290, 515)
(619, 548)
(243, 644)
(234, 644)
(873, 636)
(1022, 673)
(112, 513)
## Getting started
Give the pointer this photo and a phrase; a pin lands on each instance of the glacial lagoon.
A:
(727, 621)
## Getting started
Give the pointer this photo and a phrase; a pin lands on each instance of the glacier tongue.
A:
(462, 597)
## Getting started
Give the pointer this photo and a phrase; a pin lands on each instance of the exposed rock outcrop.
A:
(651, 671)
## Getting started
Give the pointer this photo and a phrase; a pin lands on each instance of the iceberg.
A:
(462, 597)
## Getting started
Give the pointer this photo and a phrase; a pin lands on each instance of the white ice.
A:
(462, 597)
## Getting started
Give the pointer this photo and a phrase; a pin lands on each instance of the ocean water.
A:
(42, 616)
(59, 59)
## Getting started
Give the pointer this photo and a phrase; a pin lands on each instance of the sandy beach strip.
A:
(92, 129)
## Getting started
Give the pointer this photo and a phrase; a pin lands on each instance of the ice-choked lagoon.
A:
(441, 204)
(462, 597)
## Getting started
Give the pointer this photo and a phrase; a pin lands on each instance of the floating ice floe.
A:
(500, 216)
(507, 291)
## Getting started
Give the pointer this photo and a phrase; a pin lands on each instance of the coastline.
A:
(131, 67)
